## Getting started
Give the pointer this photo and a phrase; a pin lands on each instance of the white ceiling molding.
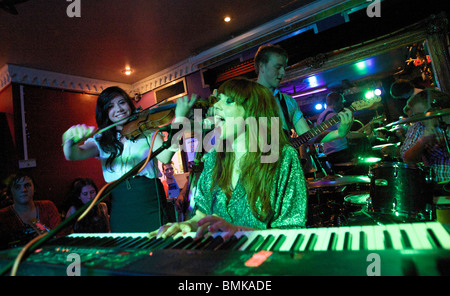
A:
(29, 76)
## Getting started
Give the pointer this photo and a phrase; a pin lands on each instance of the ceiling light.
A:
(127, 71)
(227, 19)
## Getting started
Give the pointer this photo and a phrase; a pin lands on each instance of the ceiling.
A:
(148, 36)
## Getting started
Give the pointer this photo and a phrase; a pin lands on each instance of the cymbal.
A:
(421, 117)
(332, 181)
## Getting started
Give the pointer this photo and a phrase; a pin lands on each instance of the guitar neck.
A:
(316, 130)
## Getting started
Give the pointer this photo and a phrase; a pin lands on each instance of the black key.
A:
(254, 244)
(362, 240)
(115, 242)
(311, 242)
(203, 243)
(228, 244)
(147, 244)
(278, 243)
(266, 243)
(297, 242)
(139, 242)
(130, 242)
(216, 242)
(387, 240)
(101, 242)
(332, 242)
(186, 241)
(347, 241)
(123, 242)
(433, 239)
(173, 243)
(83, 242)
(239, 242)
(154, 243)
(405, 240)
(166, 242)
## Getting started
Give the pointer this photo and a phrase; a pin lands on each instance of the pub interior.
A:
(376, 54)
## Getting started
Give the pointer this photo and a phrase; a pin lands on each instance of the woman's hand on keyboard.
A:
(171, 229)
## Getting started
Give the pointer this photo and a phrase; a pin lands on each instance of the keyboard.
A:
(421, 248)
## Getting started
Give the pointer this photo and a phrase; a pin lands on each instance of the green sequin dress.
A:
(288, 196)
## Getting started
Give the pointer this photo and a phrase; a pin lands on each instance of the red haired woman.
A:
(253, 178)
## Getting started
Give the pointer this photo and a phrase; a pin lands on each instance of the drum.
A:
(442, 204)
(401, 190)
(356, 201)
(326, 203)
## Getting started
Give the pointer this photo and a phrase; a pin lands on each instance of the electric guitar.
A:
(316, 130)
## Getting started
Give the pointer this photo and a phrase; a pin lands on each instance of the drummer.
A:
(337, 150)
(425, 141)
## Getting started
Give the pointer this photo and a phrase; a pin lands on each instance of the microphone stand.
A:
(69, 220)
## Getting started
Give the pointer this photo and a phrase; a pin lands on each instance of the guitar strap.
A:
(286, 114)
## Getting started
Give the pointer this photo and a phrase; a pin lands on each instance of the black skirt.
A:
(138, 205)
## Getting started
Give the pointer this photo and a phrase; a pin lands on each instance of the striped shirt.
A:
(437, 157)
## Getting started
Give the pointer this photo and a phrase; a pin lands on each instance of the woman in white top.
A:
(138, 204)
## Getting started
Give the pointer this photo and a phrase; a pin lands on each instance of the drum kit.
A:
(391, 192)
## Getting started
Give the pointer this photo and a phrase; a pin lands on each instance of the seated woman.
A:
(245, 186)
(82, 191)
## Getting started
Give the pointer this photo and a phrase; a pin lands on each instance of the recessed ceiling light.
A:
(227, 19)
(127, 71)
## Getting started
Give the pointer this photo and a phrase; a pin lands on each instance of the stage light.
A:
(318, 106)
(309, 92)
(369, 94)
(377, 92)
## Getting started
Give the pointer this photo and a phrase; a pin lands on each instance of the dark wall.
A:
(48, 114)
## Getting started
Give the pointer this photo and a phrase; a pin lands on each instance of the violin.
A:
(152, 119)
(149, 119)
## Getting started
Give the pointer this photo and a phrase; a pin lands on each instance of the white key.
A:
(379, 238)
(421, 233)
(322, 239)
(354, 232)
(369, 236)
(340, 232)
(251, 235)
(291, 235)
(396, 237)
(308, 233)
(413, 238)
(442, 235)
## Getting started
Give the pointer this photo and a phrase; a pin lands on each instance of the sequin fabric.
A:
(288, 196)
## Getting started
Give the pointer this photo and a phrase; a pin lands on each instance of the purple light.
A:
(310, 92)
